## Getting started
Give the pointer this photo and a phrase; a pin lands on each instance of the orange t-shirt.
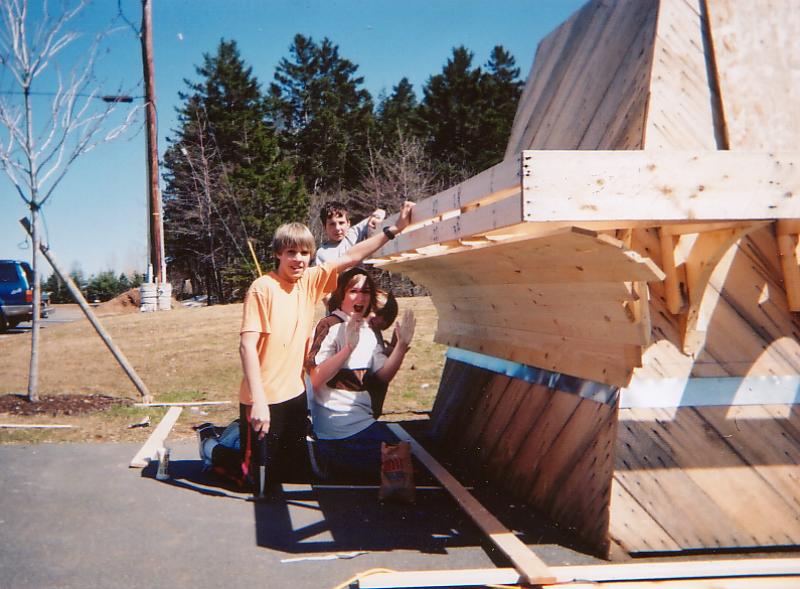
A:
(284, 311)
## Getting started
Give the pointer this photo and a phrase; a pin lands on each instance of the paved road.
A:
(60, 314)
(75, 516)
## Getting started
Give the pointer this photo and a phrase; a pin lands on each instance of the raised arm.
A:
(359, 252)
(405, 333)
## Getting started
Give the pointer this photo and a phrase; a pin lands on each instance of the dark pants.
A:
(359, 455)
(283, 450)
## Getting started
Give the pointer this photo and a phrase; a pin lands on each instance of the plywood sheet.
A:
(757, 52)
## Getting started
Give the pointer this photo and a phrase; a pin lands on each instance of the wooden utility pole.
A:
(155, 236)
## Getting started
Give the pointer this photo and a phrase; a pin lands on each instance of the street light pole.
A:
(155, 221)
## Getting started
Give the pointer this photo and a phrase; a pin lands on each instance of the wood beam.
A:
(634, 571)
(487, 217)
(788, 243)
(704, 257)
(672, 278)
(660, 185)
(530, 568)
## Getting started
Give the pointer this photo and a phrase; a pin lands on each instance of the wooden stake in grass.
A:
(78, 296)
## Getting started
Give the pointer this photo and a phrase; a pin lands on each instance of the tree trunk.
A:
(33, 372)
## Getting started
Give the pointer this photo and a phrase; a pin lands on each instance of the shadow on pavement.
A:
(344, 515)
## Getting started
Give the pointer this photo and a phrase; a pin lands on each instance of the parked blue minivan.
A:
(16, 294)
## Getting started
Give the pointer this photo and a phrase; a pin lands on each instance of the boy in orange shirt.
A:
(276, 325)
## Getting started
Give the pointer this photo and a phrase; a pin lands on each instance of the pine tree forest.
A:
(246, 157)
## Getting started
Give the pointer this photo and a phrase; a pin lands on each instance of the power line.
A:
(104, 98)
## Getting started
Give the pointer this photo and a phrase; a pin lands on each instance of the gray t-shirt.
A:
(330, 250)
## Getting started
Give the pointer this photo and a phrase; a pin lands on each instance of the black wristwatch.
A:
(388, 233)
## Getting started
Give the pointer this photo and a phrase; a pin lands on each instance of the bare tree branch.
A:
(38, 145)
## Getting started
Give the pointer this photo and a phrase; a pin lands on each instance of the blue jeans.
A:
(359, 454)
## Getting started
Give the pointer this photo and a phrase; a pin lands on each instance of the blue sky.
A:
(97, 216)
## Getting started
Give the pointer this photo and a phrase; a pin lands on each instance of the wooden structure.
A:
(629, 277)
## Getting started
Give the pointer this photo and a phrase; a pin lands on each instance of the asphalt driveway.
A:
(75, 515)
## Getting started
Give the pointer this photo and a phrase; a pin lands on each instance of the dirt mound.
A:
(57, 404)
(127, 302)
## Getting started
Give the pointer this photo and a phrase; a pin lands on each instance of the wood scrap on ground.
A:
(156, 440)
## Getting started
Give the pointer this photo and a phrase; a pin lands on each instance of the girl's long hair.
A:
(346, 279)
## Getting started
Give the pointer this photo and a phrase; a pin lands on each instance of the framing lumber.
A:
(788, 243)
(706, 253)
(531, 569)
(574, 186)
(156, 440)
(493, 184)
(33, 426)
(703, 569)
(672, 281)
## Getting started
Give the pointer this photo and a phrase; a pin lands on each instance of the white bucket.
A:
(164, 296)
(149, 297)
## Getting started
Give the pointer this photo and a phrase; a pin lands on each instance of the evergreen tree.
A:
(398, 115)
(103, 286)
(450, 111)
(227, 179)
(500, 90)
(323, 115)
(468, 112)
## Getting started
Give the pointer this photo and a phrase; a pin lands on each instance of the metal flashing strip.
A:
(711, 391)
(587, 389)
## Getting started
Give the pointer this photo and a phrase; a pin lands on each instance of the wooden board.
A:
(618, 122)
(156, 440)
(617, 185)
(603, 363)
(632, 527)
(498, 422)
(547, 62)
(574, 482)
(706, 478)
(772, 573)
(523, 418)
(765, 443)
(570, 43)
(680, 114)
(530, 567)
(541, 434)
(614, 32)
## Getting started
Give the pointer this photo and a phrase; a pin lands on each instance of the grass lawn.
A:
(181, 355)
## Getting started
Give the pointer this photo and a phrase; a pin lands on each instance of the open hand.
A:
(405, 215)
(376, 218)
(352, 330)
(405, 328)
